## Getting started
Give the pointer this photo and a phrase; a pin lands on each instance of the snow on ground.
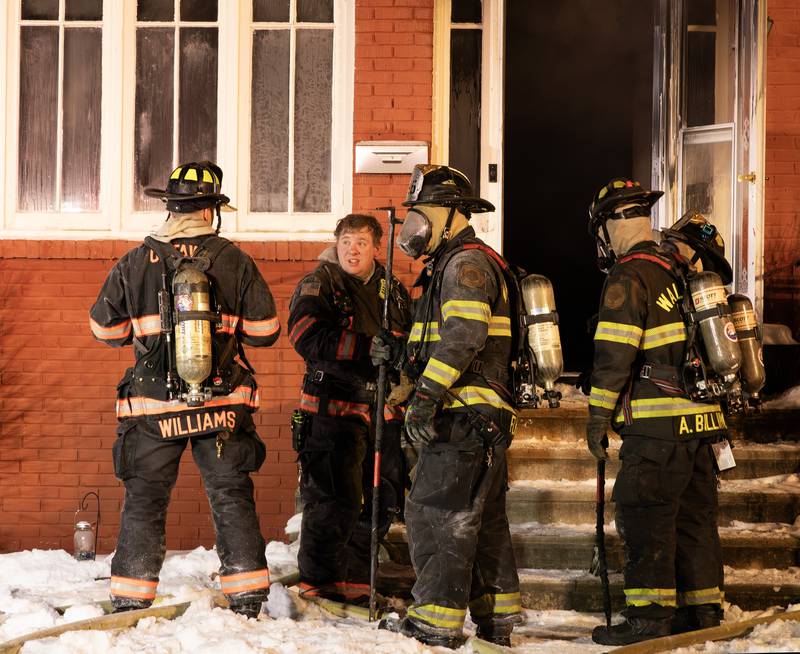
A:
(34, 583)
(789, 399)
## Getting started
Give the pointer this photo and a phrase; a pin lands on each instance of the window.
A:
(110, 95)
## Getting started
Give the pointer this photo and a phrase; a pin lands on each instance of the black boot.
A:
(633, 630)
(437, 638)
(247, 609)
(707, 616)
(496, 634)
(123, 604)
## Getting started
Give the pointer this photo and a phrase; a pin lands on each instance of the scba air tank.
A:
(716, 325)
(752, 370)
(543, 338)
(192, 294)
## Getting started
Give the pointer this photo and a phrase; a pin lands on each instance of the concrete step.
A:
(577, 590)
(536, 459)
(772, 499)
(568, 423)
(755, 547)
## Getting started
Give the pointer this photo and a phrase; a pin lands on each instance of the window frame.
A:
(116, 218)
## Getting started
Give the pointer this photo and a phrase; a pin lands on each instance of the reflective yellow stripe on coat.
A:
(674, 332)
(618, 332)
(603, 398)
(471, 395)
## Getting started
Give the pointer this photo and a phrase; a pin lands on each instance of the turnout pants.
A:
(458, 533)
(149, 468)
(336, 490)
(666, 511)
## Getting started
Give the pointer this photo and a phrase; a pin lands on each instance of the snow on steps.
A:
(564, 546)
(769, 499)
(559, 459)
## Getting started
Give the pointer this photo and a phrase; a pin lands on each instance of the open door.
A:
(709, 143)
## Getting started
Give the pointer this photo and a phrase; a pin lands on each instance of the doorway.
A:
(578, 111)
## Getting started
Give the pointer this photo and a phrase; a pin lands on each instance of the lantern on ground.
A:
(85, 536)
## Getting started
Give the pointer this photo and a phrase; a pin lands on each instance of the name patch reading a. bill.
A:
(196, 423)
(702, 422)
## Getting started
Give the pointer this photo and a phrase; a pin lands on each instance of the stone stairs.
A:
(551, 508)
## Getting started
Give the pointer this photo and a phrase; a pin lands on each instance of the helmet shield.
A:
(704, 238)
(415, 235)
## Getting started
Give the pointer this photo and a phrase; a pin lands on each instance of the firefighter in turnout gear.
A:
(666, 490)
(229, 305)
(460, 418)
(335, 313)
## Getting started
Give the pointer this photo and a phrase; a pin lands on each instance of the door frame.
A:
(488, 226)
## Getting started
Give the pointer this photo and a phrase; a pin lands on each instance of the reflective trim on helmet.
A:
(618, 332)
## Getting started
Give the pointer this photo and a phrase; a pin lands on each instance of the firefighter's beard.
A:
(624, 233)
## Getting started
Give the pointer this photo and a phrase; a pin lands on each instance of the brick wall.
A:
(782, 192)
(57, 385)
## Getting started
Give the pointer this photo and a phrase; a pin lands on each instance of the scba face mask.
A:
(415, 236)
(423, 229)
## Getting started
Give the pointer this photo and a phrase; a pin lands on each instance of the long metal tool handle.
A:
(380, 401)
(600, 538)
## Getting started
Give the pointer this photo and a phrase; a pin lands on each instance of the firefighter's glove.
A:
(419, 418)
(400, 391)
(386, 348)
(597, 436)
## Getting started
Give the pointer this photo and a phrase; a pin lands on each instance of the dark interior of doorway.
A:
(578, 94)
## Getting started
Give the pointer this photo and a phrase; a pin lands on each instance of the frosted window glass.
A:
(81, 123)
(84, 10)
(271, 11)
(38, 113)
(205, 10)
(197, 139)
(155, 10)
(269, 142)
(312, 119)
(707, 181)
(39, 9)
(315, 11)
(155, 49)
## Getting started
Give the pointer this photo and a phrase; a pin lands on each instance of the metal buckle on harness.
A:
(646, 371)
(370, 387)
(318, 376)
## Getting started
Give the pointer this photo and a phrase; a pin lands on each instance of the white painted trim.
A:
(758, 140)
(4, 64)
(116, 219)
(492, 114)
(440, 129)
